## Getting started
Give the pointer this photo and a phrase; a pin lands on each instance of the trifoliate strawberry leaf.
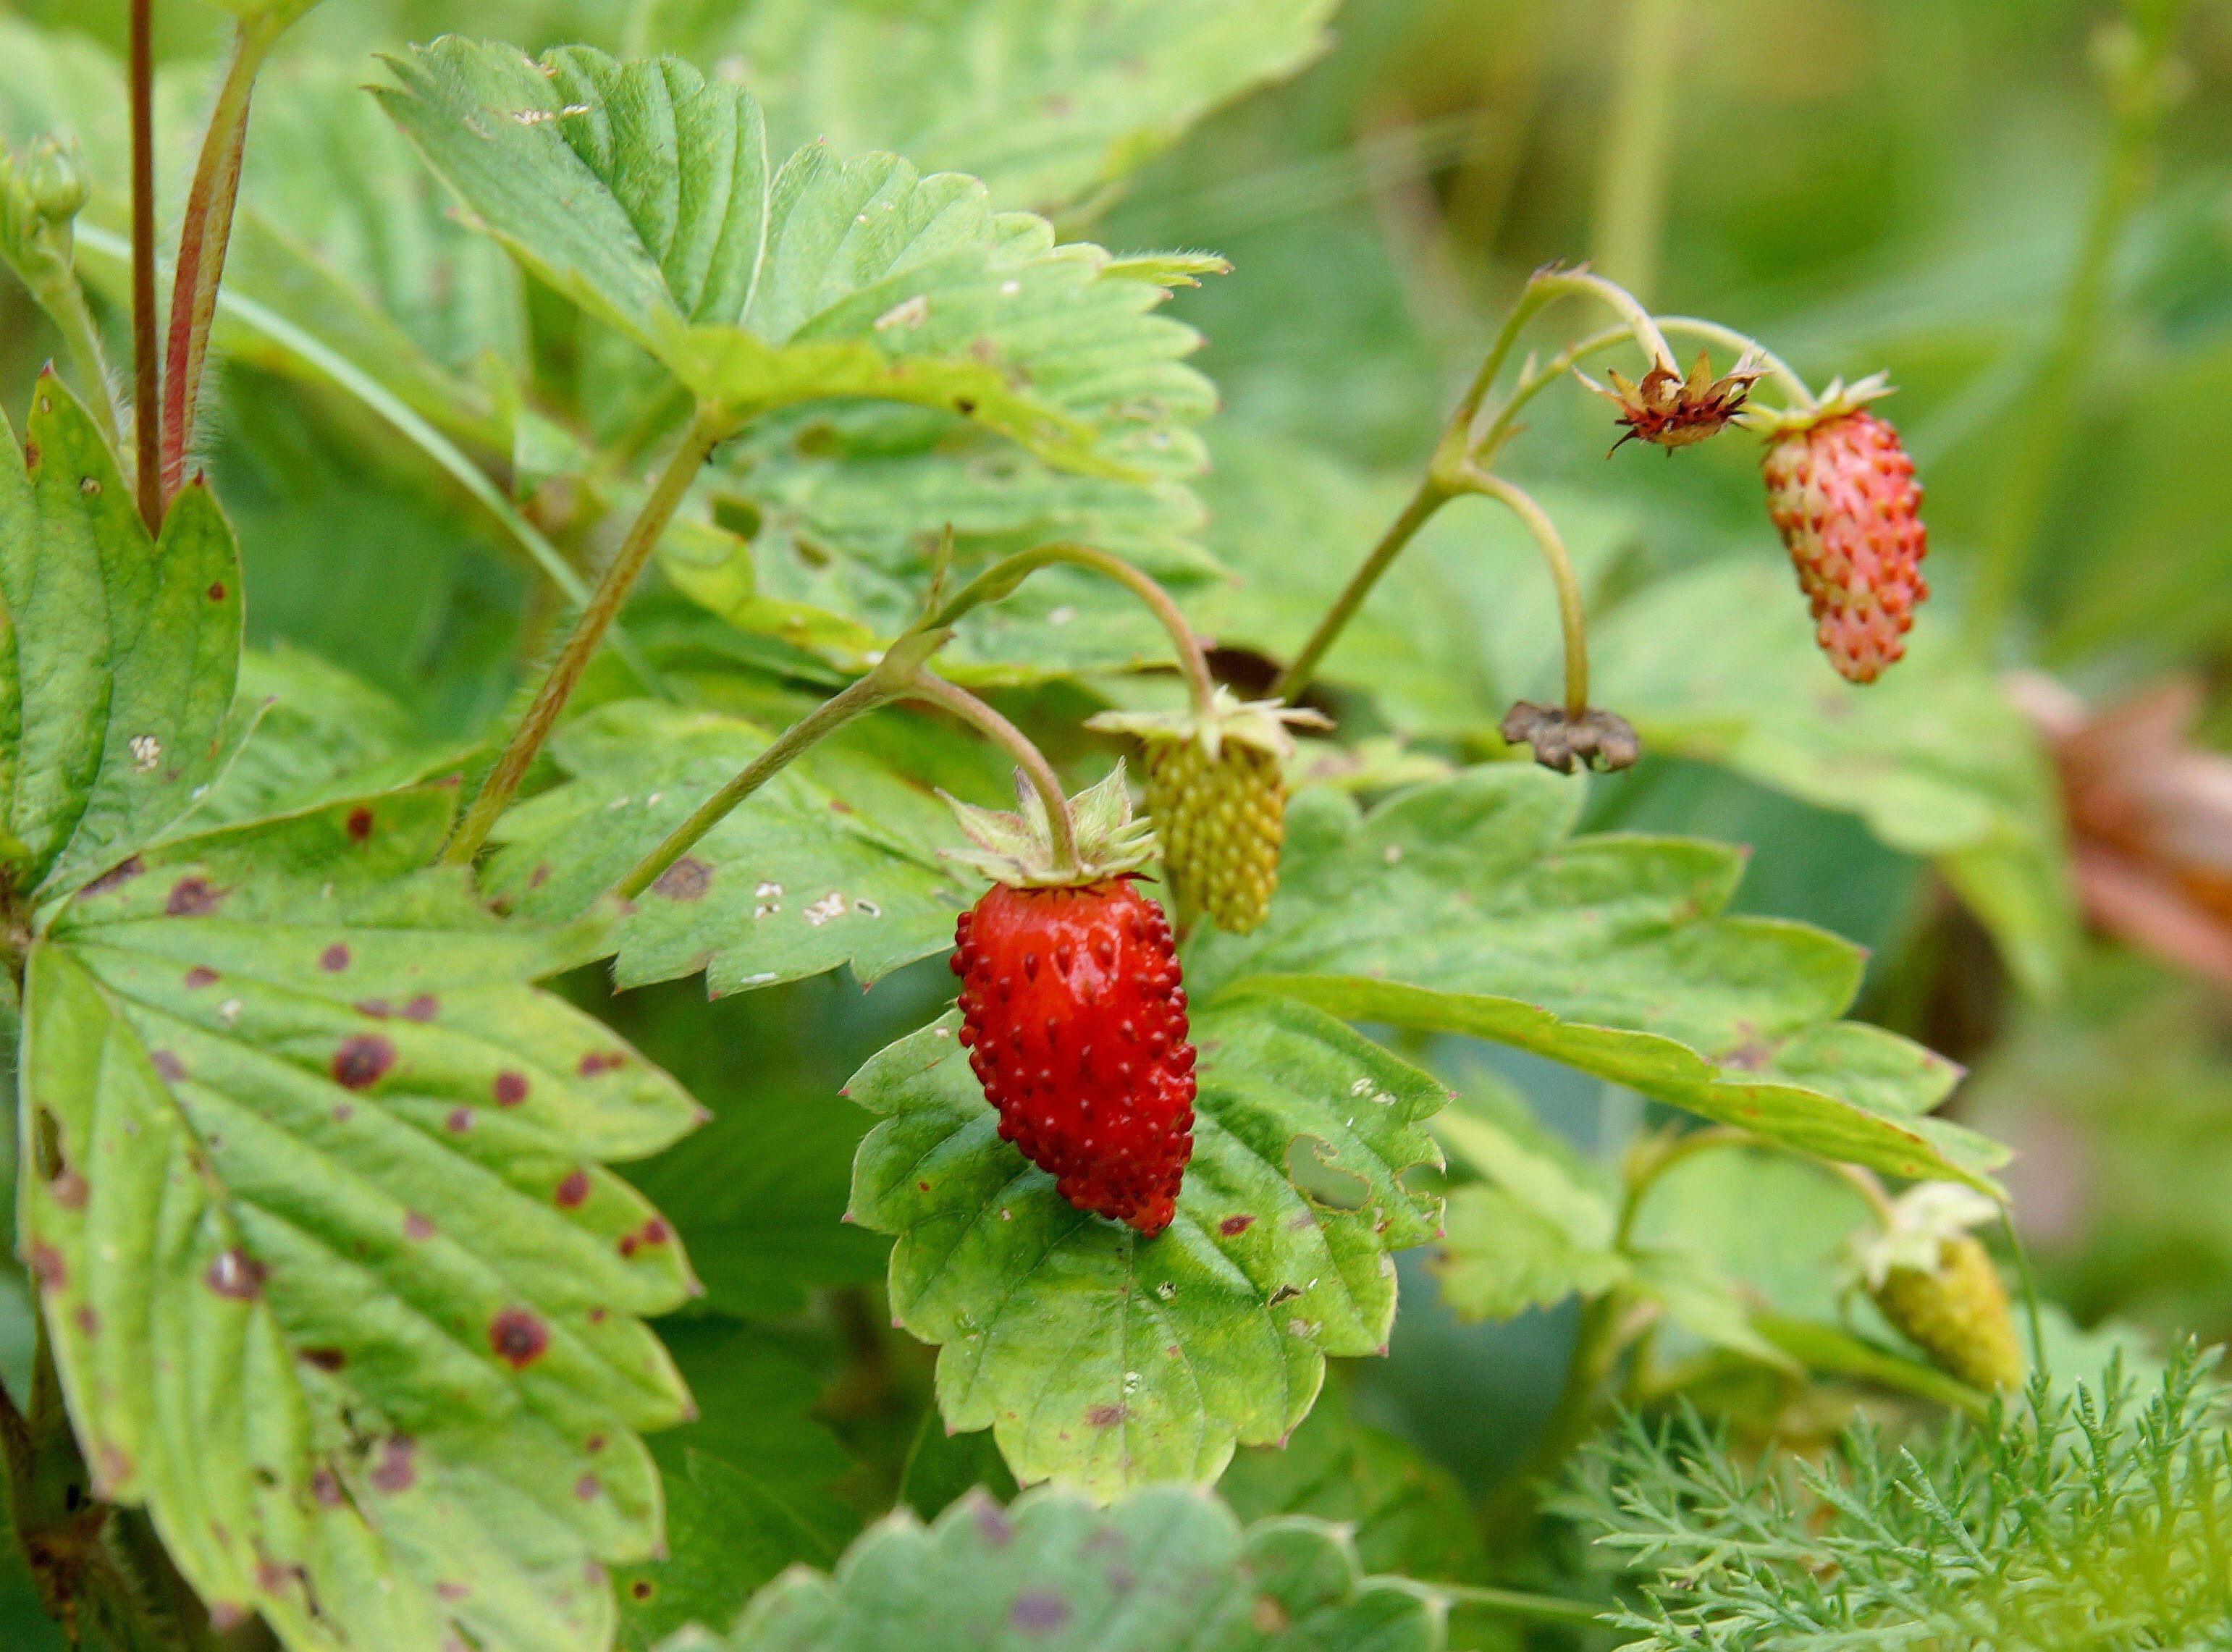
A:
(1107, 1359)
(1047, 101)
(1933, 757)
(644, 193)
(1465, 907)
(822, 866)
(1529, 1235)
(338, 1285)
(117, 653)
(1167, 1569)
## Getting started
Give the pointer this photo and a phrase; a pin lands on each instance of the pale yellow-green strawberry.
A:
(1938, 1285)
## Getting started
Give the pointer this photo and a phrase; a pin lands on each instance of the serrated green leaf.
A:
(1165, 1571)
(1465, 907)
(796, 881)
(1933, 757)
(117, 652)
(320, 734)
(337, 1284)
(1406, 1514)
(747, 1485)
(1048, 100)
(1108, 1360)
(644, 192)
(1500, 1255)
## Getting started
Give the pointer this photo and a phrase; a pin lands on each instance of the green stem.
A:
(1005, 575)
(1429, 498)
(864, 695)
(1631, 196)
(1743, 344)
(1520, 1603)
(204, 233)
(706, 430)
(2029, 1282)
(63, 299)
(2051, 403)
(1572, 619)
(936, 690)
(146, 372)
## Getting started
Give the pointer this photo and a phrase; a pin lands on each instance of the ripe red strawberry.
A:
(1071, 1009)
(1076, 1027)
(1841, 490)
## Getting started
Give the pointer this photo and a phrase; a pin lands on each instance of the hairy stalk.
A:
(1429, 498)
(936, 690)
(1630, 214)
(146, 379)
(1451, 469)
(864, 695)
(203, 237)
(58, 294)
(1005, 575)
(2051, 404)
(1573, 620)
(705, 431)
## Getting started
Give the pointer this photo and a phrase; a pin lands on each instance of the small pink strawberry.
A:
(1840, 489)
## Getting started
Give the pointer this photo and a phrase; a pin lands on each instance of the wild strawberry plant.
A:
(853, 483)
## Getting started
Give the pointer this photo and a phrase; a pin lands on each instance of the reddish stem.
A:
(147, 437)
(203, 237)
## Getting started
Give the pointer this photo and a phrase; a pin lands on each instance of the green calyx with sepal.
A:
(1018, 849)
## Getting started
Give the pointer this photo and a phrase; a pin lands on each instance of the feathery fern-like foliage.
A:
(2070, 1520)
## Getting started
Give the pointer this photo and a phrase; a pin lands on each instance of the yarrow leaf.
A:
(338, 1283)
(1108, 1360)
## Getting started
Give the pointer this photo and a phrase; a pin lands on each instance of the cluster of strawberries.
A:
(1072, 1007)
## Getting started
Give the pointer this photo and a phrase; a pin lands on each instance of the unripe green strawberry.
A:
(1217, 791)
(1840, 489)
(1957, 1313)
(1938, 1285)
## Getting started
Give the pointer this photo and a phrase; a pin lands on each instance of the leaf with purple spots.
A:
(342, 1290)
(1109, 1360)
(117, 653)
(1165, 1569)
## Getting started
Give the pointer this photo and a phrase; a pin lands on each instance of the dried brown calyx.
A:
(1597, 739)
(1669, 409)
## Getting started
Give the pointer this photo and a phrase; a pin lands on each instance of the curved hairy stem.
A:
(1572, 619)
(932, 689)
(146, 377)
(1429, 498)
(204, 235)
(1003, 576)
(705, 431)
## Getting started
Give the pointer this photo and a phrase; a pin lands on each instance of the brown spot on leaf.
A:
(193, 898)
(325, 1488)
(236, 1274)
(1232, 1225)
(509, 1088)
(1106, 1417)
(448, 1590)
(226, 1615)
(378, 1008)
(396, 1472)
(326, 1359)
(199, 976)
(360, 822)
(122, 872)
(69, 1190)
(1037, 1612)
(167, 1065)
(87, 1320)
(587, 1487)
(594, 1444)
(270, 1578)
(640, 1589)
(417, 1227)
(574, 1189)
(598, 1061)
(518, 1338)
(335, 958)
(459, 1121)
(215, 591)
(361, 1061)
(422, 1010)
(687, 879)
